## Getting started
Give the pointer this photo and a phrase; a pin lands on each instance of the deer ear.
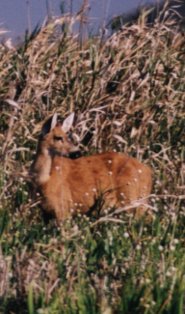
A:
(54, 121)
(68, 122)
(49, 125)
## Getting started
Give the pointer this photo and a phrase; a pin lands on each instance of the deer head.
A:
(54, 136)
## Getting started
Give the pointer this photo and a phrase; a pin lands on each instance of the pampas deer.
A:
(72, 185)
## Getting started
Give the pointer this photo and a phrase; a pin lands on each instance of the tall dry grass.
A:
(128, 89)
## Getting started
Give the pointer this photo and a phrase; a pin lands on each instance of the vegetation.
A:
(161, 10)
(130, 90)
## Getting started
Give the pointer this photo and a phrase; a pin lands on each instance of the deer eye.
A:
(58, 138)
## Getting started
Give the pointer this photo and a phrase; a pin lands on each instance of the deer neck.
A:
(42, 165)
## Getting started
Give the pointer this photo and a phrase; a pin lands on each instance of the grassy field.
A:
(130, 89)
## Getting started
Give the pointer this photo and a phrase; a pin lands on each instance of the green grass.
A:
(85, 265)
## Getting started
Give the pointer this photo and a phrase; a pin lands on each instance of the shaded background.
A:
(19, 15)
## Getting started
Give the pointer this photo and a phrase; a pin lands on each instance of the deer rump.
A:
(105, 180)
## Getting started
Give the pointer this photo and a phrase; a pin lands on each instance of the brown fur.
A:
(72, 185)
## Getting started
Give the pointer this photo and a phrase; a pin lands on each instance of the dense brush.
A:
(128, 89)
